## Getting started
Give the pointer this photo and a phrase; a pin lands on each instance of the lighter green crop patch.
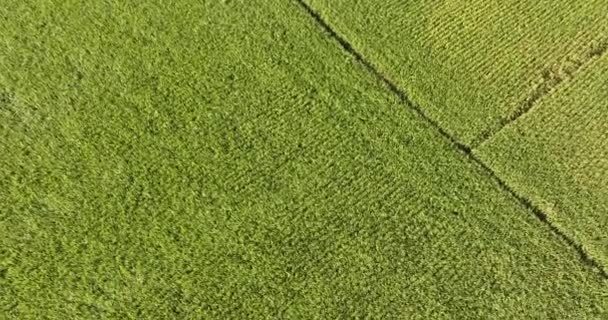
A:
(472, 66)
(557, 155)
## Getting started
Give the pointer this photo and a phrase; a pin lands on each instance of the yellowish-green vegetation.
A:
(557, 154)
(472, 65)
(230, 160)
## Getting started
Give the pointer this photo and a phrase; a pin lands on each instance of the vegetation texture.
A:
(229, 160)
(558, 155)
(473, 66)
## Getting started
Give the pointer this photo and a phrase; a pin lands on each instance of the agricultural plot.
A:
(472, 66)
(227, 159)
(557, 154)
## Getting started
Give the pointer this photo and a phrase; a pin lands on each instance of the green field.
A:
(557, 154)
(255, 160)
(473, 65)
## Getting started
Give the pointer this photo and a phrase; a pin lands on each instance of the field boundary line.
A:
(348, 47)
(464, 149)
(552, 78)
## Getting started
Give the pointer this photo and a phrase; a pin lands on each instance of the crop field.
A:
(303, 159)
(473, 65)
(557, 154)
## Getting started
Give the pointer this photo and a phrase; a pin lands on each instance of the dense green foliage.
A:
(227, 159)
(472, 65)
(557, 154)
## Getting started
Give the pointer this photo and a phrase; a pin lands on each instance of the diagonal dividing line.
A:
(551, 80)
(584, 257)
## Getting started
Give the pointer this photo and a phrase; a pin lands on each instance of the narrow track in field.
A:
(551, 79)
(466, 150)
